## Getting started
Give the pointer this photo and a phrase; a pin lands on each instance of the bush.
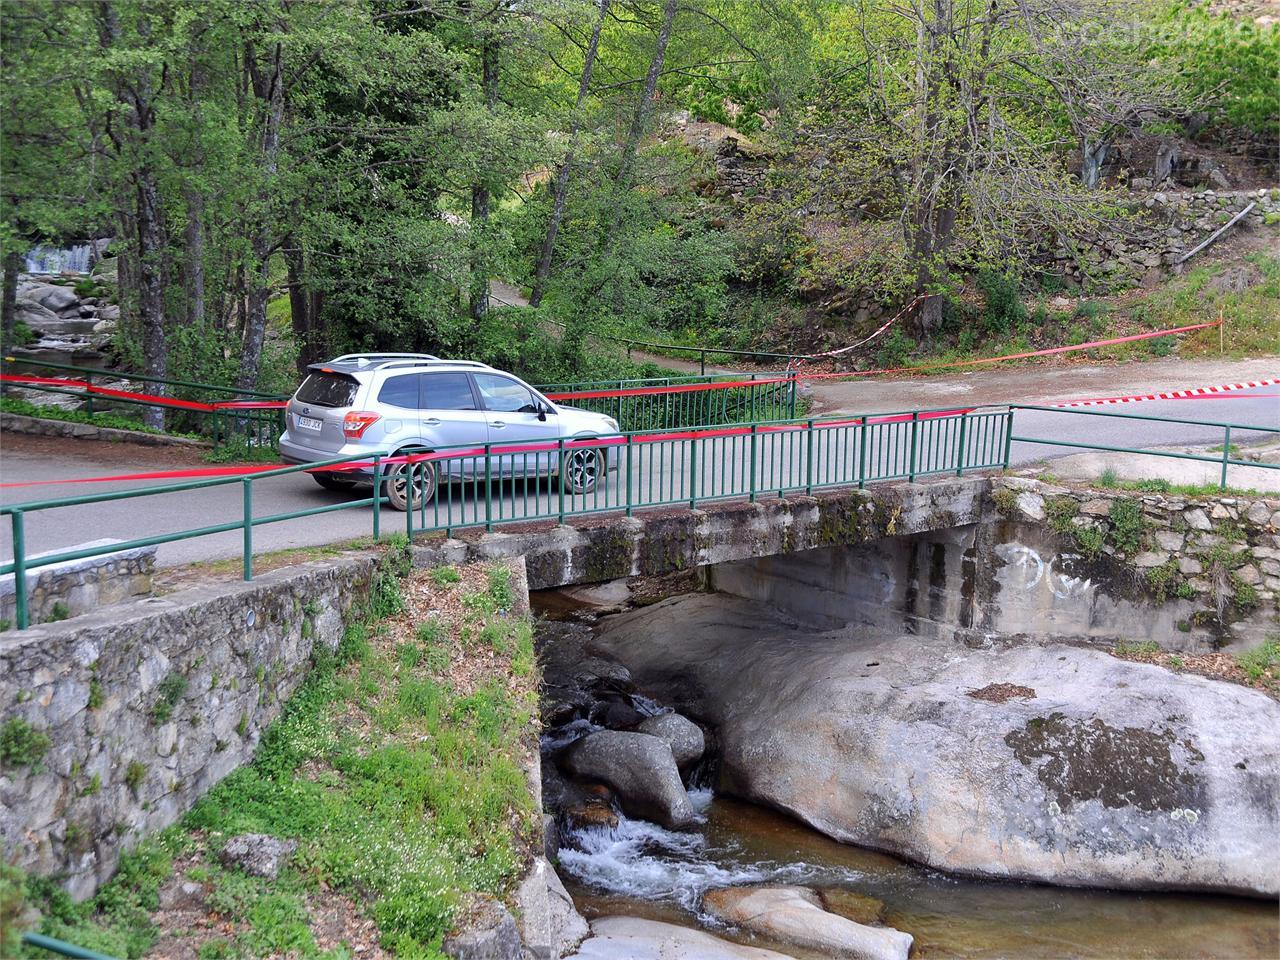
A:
(21, 745)
(1004, 311)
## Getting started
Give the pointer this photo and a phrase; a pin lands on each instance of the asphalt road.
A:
(27, 459)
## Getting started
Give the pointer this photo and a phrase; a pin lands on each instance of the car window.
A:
(448, 391)
(505, 395)
(328, 390)
(401, 391)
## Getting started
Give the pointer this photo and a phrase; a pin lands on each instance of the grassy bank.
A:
(397, 768)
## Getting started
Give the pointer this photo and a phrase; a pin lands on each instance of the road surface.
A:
(27, 459)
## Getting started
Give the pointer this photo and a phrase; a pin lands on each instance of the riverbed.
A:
(639, 869)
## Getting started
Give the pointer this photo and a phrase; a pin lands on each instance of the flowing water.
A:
(641, 869)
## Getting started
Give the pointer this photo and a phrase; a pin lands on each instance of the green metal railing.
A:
(1226, 460)
(491, 484)
(257, 428)
(62, 948)
(657, 403)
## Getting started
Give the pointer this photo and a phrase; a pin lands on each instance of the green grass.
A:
(404, 793)
(1264, 661)
(1156, 485)
(1252, 317)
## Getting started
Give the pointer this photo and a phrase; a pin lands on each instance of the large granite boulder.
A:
(681, 734)
(795, 915)
(1052, 763)
(631, 938)
(641, 769)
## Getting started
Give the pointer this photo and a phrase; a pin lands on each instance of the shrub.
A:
(1004, 311)
(1127, 525)
(21, 745)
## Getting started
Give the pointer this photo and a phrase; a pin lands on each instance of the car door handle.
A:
(498, 424)
(432, 421)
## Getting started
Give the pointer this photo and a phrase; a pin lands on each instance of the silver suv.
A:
(358, 404)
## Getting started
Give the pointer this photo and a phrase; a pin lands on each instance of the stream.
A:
(637, 868)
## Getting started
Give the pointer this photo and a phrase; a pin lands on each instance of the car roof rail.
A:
(381, 357)
(435, 362)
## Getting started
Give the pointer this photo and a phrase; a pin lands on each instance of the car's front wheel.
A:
(421, 477)
(581, 469)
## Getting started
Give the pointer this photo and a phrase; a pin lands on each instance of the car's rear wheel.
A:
(400, 477)
(581, 469)
(333, 481)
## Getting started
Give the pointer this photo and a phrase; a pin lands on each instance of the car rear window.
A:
(448, 391)
(328, 389)
(401, 391)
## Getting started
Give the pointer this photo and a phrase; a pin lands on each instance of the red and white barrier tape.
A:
(149, 398)
(1226, 390)
(796, 364)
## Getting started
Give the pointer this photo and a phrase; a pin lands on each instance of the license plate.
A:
(308, 423)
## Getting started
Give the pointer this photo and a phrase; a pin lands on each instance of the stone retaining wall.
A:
(40, 427)
(78, 586)
(114, 723)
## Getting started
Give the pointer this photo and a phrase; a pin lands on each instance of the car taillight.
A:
(354, 424)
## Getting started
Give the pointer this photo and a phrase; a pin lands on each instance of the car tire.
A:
(423, 476)
(581, 469)
(334, 482)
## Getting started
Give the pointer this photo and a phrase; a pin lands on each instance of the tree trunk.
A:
(9, 304)
(640, 119)
(562, 175)
(479, 296)
(269, 89)
(193, 268)
(1092, 158)
(303, 307)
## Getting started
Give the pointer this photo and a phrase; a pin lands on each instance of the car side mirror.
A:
(542, 412)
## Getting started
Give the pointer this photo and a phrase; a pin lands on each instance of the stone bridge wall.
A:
(1190, 574)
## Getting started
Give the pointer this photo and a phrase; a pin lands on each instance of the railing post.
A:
(377, 498)
(20, 611)
(488, 486)
(791, 399)
(808, 460)
(702, 361)
(247, 484)
(1008, 436)
(560, 476)
(964, 422)
(408, 506)
(1226, 455)
(629, 508)
(754, 436)
(693, 472)
(915, 430)
(88, 393)
(862, 455)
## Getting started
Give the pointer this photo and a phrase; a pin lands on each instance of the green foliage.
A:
(1090, 540)
(15, 915)
(59, 611)
(21, 745)
(134, 774)
(1061, 511)
(1161, 579)
(1004, 310)
(112, 420)
(1261, 662)
(1128, 526)
(168, 692)
(1141, 649)
(443, 576)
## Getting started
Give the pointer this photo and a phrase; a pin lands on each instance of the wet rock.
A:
(488, 933)
(642, 771)
(858, 907)
(615, 715)
(591, 812)
(682, 735)
(258, 854)
(549, 924)
(1085, 785)
(795, 915)
(594, 669)
(630, 938)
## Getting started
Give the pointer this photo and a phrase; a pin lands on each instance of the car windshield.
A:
(328, 389)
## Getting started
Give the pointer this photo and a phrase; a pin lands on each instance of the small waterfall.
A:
(76, 259)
